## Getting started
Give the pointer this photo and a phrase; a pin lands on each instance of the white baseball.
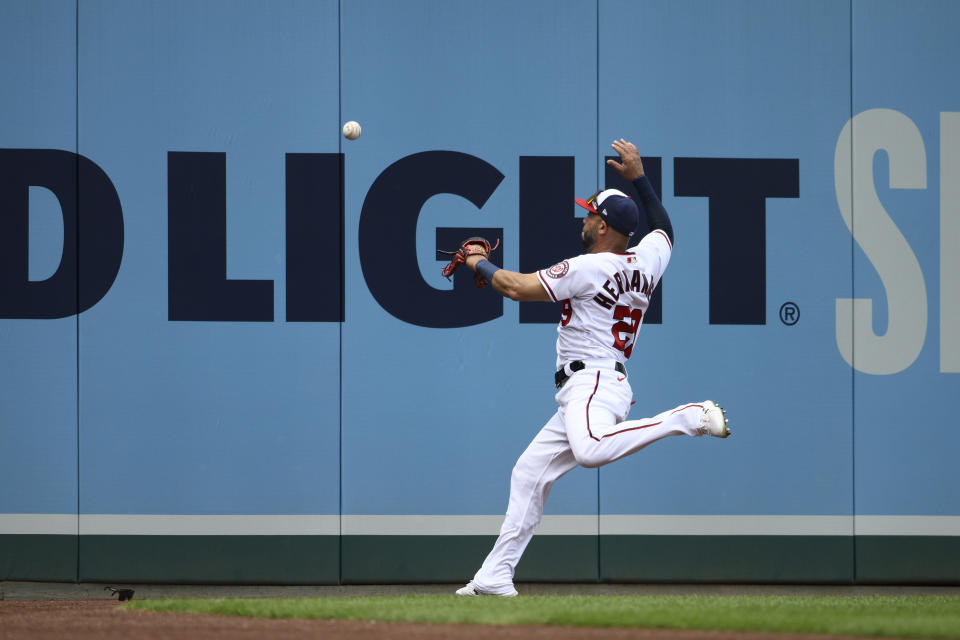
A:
(351, 130)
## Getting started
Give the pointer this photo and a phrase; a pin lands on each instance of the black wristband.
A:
(486, 269)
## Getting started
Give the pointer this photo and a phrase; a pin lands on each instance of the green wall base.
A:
(745, 559)
(454, 559)
(210, 559)
(39, 558)
(908, 559)
(417, 559)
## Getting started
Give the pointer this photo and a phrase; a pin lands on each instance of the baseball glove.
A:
(470, 247)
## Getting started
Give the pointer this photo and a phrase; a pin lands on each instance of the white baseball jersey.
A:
(605, 296)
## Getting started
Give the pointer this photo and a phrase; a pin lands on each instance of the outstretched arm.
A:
(631, 168)
(522, 287)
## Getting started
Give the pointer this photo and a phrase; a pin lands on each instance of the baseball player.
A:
(605, 293)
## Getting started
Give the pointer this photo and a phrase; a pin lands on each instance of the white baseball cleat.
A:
(471, 589)
(713, 421)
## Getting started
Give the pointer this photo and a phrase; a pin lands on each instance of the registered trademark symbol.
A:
(789, 313)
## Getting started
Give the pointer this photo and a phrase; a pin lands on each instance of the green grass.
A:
(899, 616)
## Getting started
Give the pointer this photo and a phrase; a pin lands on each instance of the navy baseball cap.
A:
(616, 208)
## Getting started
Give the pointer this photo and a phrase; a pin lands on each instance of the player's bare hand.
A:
(473, 259)
(630, 165)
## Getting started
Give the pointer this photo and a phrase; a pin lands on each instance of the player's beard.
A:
(588, 238)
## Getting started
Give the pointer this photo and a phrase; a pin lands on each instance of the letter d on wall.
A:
(878, 236)
(92, 233)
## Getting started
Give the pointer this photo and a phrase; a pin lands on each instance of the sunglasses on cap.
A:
(591, 202)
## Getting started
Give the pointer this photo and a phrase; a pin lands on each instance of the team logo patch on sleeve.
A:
(559, 270)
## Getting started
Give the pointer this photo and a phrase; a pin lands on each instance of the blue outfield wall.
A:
(229, 354)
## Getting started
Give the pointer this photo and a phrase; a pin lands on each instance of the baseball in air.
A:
(351, 130)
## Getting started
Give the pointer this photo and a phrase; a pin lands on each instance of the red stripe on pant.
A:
(642, 426)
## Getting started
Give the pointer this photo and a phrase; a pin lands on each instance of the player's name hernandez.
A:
(634, 280)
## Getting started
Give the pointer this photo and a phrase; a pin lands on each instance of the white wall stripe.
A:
(421, 525)
(907, 525)
(432, 525)
(657, 525)
(38, 523)
(219, 525)
(460, 525)
(568, 526)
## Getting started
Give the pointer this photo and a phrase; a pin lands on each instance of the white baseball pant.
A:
(587, 430)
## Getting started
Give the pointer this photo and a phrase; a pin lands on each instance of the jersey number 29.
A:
(625, 331)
